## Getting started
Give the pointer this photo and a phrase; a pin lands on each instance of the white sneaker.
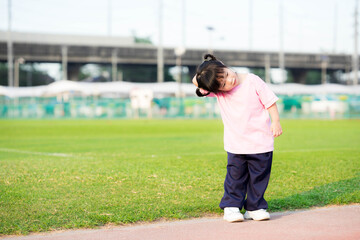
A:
(257, 215)
(232, 214)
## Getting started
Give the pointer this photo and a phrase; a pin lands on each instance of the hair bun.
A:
(201, 92)
(207, 56)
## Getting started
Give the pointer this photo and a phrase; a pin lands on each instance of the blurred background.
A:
(134, 59)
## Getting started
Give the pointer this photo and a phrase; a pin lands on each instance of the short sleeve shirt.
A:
(245, 116)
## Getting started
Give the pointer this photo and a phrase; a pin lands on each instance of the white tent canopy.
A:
(298, 89)
(120, 89)
(123, 89)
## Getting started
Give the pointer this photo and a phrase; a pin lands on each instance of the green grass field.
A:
(62, 174)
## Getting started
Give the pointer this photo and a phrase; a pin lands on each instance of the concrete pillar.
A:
(323, 72)
(18, 61)
(64, 53)
(10, 57)
(160, 65)
(160, 49)
(267, 68)
(114, 65)
(10, 61)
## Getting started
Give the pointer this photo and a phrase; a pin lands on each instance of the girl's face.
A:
(229, 80)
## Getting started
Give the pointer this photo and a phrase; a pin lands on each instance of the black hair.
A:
(208, 74)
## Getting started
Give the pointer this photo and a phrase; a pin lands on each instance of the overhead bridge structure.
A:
(74, 51)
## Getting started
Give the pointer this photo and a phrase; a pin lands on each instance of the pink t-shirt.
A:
(246, 120)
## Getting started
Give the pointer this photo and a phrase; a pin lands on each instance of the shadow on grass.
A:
(341, 192)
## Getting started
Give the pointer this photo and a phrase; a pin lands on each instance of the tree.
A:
(143, 40)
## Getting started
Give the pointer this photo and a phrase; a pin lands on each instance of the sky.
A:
(301, 26)
(313, 26)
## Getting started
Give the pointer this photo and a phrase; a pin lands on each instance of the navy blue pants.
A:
(246, 181)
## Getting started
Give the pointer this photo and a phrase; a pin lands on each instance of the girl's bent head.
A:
(209, 75)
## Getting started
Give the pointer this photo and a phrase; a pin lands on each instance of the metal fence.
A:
(297, 106)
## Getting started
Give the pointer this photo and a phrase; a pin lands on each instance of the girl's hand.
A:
(275, 120)
(276, 128)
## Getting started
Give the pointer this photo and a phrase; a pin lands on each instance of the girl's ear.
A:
(194, 81)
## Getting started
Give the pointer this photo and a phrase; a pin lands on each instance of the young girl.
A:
(245, 102)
